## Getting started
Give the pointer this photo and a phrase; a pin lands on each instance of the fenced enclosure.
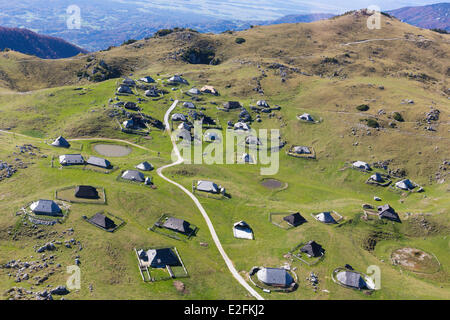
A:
(109, 215)
(150, 274)
(311, 155)
(303, 257)
(68, 194)
(158, 228)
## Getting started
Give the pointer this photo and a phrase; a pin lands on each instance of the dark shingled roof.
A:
(387, 212)
(295, 219)
(68, 159)
(144, 166)
(86, 192)
(103, 221)
(313, 249)
(377, 177)
(133, 175)
(178, 225)
(351, 279)
(160, 258)
(326, 217)
(275, 277)
(61, 142)
(46, 207)
(99, 162)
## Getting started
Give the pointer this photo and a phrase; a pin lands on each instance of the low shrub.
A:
(363, 107)
(372, 123)
(239, 40)
(129, 42)
(398, 117)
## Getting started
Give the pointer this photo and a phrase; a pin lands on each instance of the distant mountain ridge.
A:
(32, 43)
(434, 16)
(302, 18)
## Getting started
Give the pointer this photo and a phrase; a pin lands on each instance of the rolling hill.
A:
(31, 43)
(328, 68)
(434, 16)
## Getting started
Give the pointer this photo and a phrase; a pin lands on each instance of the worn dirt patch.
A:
(273, 184)
(415, 260)
(112, 150)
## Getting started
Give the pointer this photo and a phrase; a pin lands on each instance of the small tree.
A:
(363, 107)
(239, 40)
(398, 117)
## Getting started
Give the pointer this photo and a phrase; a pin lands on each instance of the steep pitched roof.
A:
(124, 89)
(242, 230)
(144, 166)
(159, 258)
(313, 249)
(361, 165)
(387, 212)
(103, 221)
(45, 207)
(405, 184)
(306, 117)
(129, 82)
(377, 177)
(61, 142)
(178, 79)
(295, 219)
(178, 225)
(194, 91)
(133, 175)
(178, 117)
(262, 103)
(86, 192)
(189, 105)
(275, 277)
(207, 186)
(147, 79)
(301, 150)
(325, 217)
(99, 162)
(351, 279)
(71, 159)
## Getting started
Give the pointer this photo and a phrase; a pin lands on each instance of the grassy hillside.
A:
(329, 89)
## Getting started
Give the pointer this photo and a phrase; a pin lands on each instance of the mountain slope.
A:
(435, 16)
(31, 43)
(297, 18)
(301, 47)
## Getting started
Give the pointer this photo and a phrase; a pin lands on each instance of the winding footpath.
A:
(180, 160)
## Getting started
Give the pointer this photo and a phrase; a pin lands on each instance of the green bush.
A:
(239, 40)
(372, 123)
(440, 31)
(330, 60)
(363, 107)
(163, 32)
(129, 42)
(398, 117)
